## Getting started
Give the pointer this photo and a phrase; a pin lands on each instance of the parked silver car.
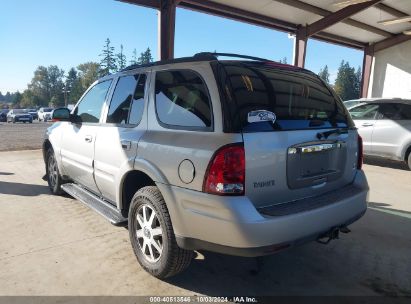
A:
(243, 157)
(19, 115)
(385, 126)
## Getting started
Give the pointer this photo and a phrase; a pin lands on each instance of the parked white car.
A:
(45, 114)
(385, 126)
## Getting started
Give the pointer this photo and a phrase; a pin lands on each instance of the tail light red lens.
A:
(360, 153)
(226, 172)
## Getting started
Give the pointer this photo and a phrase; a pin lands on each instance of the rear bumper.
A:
(19, 119)
(233, 225)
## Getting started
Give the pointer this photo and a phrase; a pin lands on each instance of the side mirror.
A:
(61, 114)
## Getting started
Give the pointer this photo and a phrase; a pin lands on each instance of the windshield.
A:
(19, 111)
(299, 99)
(47, 109)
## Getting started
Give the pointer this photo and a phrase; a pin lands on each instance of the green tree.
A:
(283, 61)
(108, 61)
(73, 86)
(121, 59)
(134, 58)
(56, 76)
(17, 98)
(47, 83)
(145, 57)
(87, 73)
(28, 99)
(346, 84)
(7, 97)
(324, 74)
(358, 77)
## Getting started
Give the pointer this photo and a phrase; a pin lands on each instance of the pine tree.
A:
(324, 74)
(121, 59)
(358, 77)
(108, 63)
(346, 83)
(134, 59)
(73, 86)
(283, 61)
(145, 57)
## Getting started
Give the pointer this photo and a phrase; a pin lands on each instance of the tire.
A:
(171, 260)
(409, 161)
(54, 179)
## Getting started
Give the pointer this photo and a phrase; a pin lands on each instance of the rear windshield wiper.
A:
(324, 135)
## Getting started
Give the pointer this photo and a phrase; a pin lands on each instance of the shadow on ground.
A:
(360, 263)
(386, 163)
(384, 207)
(22, 189)
(6, 173)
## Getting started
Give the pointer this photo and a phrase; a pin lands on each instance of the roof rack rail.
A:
(197, 57)
(215, 55)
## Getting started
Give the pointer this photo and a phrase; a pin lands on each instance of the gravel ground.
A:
(22, 136)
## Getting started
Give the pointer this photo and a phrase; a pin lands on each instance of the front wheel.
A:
(152, 235)
(409, 161)
(53, 175)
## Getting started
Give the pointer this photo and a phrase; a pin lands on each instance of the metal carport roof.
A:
(353, 23)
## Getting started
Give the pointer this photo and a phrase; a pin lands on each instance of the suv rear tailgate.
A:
(307, 149)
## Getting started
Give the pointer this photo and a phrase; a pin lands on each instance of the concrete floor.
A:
(55, 246)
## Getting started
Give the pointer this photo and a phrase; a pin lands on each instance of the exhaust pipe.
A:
(332, 234)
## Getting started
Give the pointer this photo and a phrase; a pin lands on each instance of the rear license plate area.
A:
(313, 163)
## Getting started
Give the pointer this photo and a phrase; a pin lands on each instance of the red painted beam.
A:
(167, 19)
(146, 3)
(366, 70)
(300, 47)
(306, 7)
(338, 16)
(390, 42)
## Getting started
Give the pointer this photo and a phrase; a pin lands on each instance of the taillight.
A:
(226, 172)
(360, 153)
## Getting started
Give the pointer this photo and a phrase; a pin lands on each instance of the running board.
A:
(97, 204)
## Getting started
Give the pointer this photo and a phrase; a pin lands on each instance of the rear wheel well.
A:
(133, 181)
(407, 153)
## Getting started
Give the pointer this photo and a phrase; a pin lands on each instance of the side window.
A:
(182, 100)
(405, 110)
(364, 112)
(390, 111)
(89, 108)
(127, 104)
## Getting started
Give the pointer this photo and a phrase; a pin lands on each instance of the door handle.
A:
(126, 144)
(367, 124)
(88, 138)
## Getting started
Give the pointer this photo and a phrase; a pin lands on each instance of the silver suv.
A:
(385, 126)
(242, 157)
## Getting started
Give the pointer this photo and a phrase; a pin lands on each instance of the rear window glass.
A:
(298, 99)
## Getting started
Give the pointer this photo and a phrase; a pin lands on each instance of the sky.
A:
(67, 33)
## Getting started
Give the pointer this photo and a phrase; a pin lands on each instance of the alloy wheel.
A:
(149, 233)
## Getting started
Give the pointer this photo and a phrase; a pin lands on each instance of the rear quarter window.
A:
(182, 100)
